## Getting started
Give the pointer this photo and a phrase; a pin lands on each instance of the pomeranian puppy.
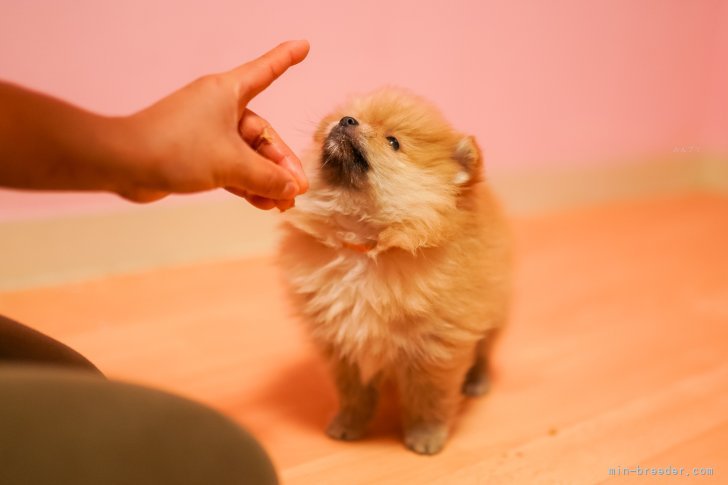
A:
(397, 259)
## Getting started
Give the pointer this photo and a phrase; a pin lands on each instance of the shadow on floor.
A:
(303, 393)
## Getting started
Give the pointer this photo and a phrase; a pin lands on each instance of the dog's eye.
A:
(393, 143)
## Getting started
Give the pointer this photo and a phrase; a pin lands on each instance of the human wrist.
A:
(129, 155)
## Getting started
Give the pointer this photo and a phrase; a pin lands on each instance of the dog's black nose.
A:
(348, 121)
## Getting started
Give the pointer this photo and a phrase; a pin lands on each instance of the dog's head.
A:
(389, 167)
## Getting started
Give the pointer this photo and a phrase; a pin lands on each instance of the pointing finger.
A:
(256, 75)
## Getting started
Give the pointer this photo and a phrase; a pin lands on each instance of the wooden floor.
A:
(616, 356)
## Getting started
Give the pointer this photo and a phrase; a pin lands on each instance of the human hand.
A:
(203, 137)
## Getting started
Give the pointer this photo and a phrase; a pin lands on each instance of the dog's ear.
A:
(470, 161)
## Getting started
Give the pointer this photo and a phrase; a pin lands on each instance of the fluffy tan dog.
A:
(397, 258)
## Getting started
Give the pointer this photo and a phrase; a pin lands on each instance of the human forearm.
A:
(200, 137)
(46, 143)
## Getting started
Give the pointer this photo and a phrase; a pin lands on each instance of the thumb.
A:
(256, 75)
(259, 176)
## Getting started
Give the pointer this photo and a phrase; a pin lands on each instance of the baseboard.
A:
(713, 174)
(44, 252)
(543, 190)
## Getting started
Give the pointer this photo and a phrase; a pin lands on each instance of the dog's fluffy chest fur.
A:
(374, 311)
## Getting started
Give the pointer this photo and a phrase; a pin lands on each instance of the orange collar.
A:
(359, 248)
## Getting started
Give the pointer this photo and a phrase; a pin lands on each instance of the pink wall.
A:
(715, 134)
(539, 83)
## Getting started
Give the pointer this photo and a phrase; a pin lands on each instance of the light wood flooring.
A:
(616, 355)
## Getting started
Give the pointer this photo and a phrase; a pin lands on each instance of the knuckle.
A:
(213, 82)
(274, 70)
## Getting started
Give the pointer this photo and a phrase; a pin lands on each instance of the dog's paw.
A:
(426, 439)
(342, 429)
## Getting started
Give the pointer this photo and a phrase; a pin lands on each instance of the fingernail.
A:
(294, 167)
(290, 191)
(284, 205)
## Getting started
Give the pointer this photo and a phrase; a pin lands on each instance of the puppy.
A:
(397, 259)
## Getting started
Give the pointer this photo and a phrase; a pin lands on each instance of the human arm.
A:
(198, 138)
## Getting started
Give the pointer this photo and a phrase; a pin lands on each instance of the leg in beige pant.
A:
(61, 422)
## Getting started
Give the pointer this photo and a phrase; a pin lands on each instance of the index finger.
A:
(256, 75)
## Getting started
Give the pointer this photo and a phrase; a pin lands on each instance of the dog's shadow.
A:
(303, 394)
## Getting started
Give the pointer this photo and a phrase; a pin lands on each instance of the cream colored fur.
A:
(435, 280)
